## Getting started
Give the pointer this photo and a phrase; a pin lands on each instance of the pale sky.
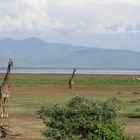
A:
(79, 22)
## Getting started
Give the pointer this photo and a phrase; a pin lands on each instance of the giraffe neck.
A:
(7, 76)
(73, 74)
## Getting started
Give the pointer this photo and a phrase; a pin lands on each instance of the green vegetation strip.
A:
(78, 80)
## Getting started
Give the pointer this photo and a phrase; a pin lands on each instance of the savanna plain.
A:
(30, 91)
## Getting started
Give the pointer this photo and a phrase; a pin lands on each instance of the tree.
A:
(83, 119)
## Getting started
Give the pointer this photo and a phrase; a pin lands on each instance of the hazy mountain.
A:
(34, 52)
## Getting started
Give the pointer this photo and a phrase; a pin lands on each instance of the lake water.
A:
(69, 70)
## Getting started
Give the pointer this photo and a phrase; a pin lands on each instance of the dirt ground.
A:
(24, 128)
(27, 126)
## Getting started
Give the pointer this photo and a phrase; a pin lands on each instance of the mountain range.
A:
(34, 52)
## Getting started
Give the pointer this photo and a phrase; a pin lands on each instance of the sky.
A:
(112, 24)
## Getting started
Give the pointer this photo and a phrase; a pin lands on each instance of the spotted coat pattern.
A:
(4, 90)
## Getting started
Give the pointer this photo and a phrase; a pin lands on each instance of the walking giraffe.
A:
(4, 91)
(71, 81)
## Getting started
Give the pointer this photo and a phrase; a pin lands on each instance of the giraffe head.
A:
(10, 63)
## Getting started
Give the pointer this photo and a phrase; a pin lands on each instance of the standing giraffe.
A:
(4, 91)
(71, 81)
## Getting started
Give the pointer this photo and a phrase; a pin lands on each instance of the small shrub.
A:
(83, 119)
(119, 93)
(135, 93)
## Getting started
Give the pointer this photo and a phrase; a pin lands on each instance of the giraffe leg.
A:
(6, 107)
(70, 89)
(2, 105)
(4, 111)
(69, 86)
(1, 101)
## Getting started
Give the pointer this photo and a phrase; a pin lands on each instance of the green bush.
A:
(83, 119)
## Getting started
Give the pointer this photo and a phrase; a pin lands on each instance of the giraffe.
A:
(71, 81)
(4, 91)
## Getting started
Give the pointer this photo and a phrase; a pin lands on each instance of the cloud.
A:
(116, 29)
(26, 15)
(67, 16)
(83, 3)
(106, 2)
(89, 29)
(70, 21)
(135, 28)
(123, 28)
(95, 12)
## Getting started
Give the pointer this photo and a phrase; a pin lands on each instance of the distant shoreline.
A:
(77, 75)
(61, 70)
(80, 71)
(69, 68)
